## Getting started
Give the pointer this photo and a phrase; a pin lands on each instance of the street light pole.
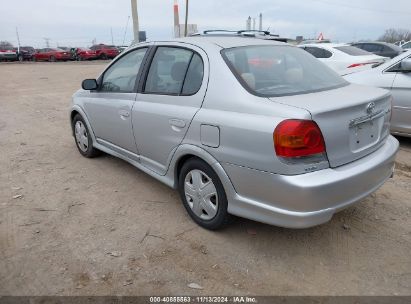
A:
(186, 22)
(134, 14)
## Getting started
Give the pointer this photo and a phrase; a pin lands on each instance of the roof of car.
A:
(224, 42)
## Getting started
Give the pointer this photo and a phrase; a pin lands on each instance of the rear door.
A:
(401, 92)
(109, 108)
(173, 91)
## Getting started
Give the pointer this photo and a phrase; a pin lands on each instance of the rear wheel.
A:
(203, 194)
(83, 139)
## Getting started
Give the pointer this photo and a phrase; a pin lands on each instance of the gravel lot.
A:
(75, 226)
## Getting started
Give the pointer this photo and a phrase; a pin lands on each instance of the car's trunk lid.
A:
(354, 120)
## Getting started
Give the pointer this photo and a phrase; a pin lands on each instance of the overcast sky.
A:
(78, 22)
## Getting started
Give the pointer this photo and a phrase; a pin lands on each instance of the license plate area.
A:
(365, 134)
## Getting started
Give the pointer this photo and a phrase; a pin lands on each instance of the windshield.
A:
(352, 50)
(280, 70)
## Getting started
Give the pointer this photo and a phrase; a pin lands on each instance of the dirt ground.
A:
(76, 226)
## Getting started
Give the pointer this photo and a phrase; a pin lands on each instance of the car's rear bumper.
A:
(306, 200)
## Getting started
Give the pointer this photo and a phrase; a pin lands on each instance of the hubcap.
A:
(80, 132)
(201, 194)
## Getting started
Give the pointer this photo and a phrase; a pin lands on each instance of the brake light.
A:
(354, 65)
(298, 138)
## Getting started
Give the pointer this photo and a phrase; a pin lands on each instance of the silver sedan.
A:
(240, 126)
(394, 75)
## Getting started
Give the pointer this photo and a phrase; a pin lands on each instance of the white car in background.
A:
(394, 75)
(343, 58)
(406, 45)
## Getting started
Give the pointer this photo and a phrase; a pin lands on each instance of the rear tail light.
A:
(298, 138)
(354, 65)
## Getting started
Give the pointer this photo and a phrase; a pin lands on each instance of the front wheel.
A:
(83, 139)
(203, 194)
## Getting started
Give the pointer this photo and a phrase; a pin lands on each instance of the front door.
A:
(109, 108)
(173, 92)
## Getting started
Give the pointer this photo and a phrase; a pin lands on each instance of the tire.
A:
(103, 56)
(82, 138)
(203, 194)
(52, 59)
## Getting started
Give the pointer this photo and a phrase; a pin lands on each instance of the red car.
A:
(50, 54)
(105, 51)
(85, 54)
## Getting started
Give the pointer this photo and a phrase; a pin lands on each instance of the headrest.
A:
(249, 79)
(294, 75)
(178, 71)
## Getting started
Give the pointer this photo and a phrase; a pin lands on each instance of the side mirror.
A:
(89, 84)
(406, 65)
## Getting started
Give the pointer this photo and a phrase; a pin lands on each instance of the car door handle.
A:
(178, 123)
(124, 113)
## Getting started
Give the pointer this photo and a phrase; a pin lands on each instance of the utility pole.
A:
(18, 37)
(186, 23)
(112, 40)
(134, 14)
(125, 31)
(176, 20)
(248, 24)
(47, 40)
(18, 40)
(260, 27)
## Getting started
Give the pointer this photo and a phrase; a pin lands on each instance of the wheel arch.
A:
(77, 110)
(187, 151)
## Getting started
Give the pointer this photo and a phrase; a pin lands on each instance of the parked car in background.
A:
(394, 75)
(122, 48)
(343, 58)
(8, 53)
(25, 53)
(104, 51)
(290, 145)
(85, 54)
(380, 48)
(406, 45)
(315, 41)
(52, 54)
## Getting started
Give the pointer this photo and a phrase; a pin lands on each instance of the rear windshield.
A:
(280, 70)
(352, 50)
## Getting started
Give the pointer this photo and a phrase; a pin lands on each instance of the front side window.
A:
(122, 75)
(168, 71)
(407, 46)
(280, 70)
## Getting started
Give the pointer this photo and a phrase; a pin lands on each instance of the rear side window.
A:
(318, 52)
(169, 69)
(352, 50)
(372, 47)
(194, 76)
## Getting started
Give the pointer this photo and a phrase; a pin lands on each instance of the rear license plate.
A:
(365, 134)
